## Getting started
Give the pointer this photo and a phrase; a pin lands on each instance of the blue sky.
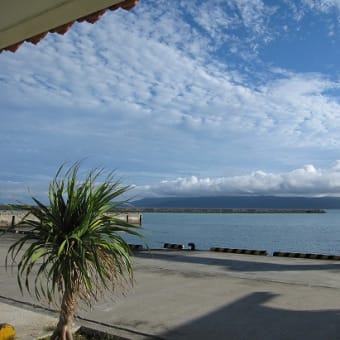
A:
(180, 98)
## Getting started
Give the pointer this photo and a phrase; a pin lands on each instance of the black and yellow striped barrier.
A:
(173, 246)
(240, 251)
(307, 256)
(136, 247)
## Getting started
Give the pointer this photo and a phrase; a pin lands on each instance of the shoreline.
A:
(201, 295)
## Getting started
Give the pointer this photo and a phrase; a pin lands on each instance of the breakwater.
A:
(11, 217)
(225, 210)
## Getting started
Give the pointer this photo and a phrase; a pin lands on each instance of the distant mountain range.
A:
(240, 202)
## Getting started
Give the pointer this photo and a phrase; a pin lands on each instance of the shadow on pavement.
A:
(239, 265)
(249, 318)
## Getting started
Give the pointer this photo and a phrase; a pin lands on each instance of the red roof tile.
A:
(91, 18)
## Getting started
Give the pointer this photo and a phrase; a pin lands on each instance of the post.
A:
(13, 221)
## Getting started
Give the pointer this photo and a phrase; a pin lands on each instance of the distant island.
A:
(227, 204)
(238, 203)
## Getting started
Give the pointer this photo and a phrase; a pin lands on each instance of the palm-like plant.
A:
(75, 244)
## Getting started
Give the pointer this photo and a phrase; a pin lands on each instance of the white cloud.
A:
(220, 21)
(155, 91)
(153, 76)
(306, 181)
(322, 5)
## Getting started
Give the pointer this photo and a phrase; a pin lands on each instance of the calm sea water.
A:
(315, 233)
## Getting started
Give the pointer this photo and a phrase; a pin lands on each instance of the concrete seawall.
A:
(13, 217)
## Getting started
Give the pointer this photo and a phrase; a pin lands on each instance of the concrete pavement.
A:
(202, 295)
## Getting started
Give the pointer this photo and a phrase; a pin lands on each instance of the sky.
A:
(180, 98)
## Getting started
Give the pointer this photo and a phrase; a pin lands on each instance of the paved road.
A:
(205, 295)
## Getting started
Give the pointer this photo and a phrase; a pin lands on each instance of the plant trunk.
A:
(63, 330)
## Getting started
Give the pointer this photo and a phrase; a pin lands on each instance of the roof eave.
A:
(34, 29)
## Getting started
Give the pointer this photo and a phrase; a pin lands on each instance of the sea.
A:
(289, 232)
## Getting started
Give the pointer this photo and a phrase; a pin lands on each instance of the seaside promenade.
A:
(200, 295)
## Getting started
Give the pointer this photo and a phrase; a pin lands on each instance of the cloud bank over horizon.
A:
(305, 182)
